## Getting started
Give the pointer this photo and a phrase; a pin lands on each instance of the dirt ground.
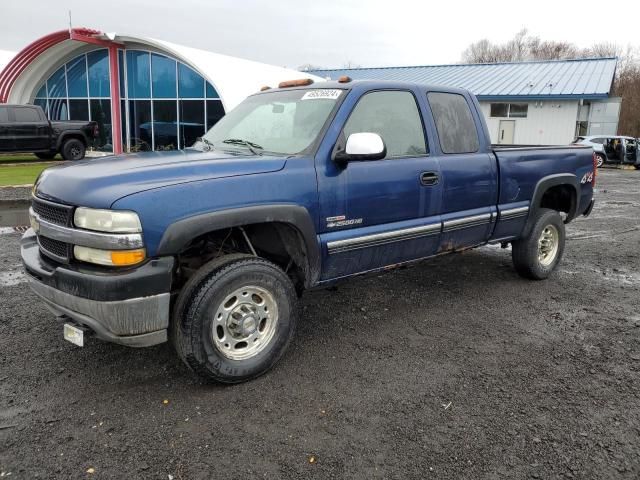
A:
(454, 368)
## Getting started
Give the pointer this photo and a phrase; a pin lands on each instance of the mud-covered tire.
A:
(73, 149)
(45, 155)
(195, 327)
(532, 256)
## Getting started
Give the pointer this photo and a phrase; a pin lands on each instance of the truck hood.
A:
(98, 183)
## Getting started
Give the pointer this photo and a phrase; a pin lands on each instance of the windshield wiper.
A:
(206, 142)
(245, 143)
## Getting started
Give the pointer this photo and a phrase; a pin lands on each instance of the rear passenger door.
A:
(31, 130)
(6, 140)
(468, 172)
(381, 212)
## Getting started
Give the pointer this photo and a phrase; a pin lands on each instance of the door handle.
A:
(429, 178)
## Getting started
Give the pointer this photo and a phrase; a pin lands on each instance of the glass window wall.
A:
(165, 104)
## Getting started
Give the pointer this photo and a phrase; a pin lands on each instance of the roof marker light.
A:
(344, 79)
(296, 83)
(266, 87)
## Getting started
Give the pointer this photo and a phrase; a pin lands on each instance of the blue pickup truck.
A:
(296, 188)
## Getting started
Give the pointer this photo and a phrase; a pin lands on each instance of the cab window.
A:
(394, 115)
(454, 123)
(26, 115)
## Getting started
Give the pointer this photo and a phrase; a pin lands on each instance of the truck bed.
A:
(521, 166)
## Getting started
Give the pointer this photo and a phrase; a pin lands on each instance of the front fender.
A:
(178, 235)
(71, 133)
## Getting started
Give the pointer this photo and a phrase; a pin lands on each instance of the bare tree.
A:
(627, 86)
(523, 47)
(517, 47)
(605, 49)
(305, 67)
(551, 50)
(483, 51)
(351, 64)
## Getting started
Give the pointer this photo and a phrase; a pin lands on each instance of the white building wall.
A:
(547, 123)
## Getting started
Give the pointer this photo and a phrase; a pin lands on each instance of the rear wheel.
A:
(234, 318)
(599, 160)
(73, 149)
(45, 155)
(537, 255)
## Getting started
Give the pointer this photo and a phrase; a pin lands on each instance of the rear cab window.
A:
(26, 115)
(394, 115)
(454, 123)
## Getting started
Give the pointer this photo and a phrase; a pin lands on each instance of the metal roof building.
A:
(543, 102)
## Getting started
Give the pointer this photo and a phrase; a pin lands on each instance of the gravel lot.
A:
(454, 368)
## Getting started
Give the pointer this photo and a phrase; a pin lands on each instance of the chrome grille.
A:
(54, 248)
(59, 215)
(52, 212)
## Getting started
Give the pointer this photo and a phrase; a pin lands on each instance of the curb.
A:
(8, 230)
(15, 193)
(22, 164)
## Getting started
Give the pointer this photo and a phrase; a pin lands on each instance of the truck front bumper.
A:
(129, 307)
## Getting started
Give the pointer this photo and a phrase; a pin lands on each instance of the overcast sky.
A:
(328, 33)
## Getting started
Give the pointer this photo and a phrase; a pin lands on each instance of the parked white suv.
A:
(613, 148)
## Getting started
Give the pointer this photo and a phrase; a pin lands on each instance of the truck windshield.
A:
(283, 122)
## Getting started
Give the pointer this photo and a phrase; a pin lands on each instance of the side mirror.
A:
(362, 146)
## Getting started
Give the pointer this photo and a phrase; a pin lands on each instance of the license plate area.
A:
(73, 334)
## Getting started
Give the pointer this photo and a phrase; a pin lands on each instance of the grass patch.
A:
(20, 158)
(21, 174)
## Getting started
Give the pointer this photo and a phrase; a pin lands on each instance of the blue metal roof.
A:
(557, 79)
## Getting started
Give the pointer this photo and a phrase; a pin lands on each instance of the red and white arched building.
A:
(146, 94)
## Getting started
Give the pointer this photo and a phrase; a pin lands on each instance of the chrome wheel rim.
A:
(244, 323)
(599, 160)
(548, 245)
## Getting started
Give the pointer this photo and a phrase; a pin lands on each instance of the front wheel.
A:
(537, 255)
(235, 318)
(73, 149)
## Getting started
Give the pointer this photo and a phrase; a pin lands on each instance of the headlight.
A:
(112, 221)
(113, 258)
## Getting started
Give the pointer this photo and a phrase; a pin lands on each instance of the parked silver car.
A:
(613, 148)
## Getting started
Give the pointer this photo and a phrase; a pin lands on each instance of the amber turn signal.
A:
(127, 257)
(266, 87)
(296, 83)
(112, 258)
(344, 79)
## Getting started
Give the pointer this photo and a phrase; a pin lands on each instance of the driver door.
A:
(378, 213)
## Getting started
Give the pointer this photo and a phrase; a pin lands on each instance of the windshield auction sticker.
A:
(324, 93)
